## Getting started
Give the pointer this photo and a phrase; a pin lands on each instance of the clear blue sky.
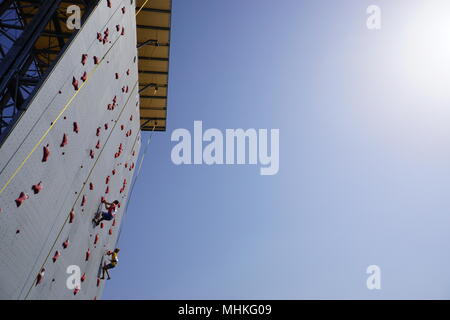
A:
(364, 156)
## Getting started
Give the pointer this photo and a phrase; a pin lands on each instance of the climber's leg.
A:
(98, 214)
(105, 216)
(105, 269)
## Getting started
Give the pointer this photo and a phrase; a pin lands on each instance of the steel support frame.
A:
(22, 67)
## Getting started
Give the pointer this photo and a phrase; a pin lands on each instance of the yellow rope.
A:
(48, 130)
(59, 116)
(141, 7)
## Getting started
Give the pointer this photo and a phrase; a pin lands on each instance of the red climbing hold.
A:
(109, 107)
(40, 276)
(98, 131)
(106, 32)
(98, 282)
(75, 83)
(126, 164)
(76, 290)
(91, 186)
(75, 127)
(107, 179)
(128, 72)
(83, 277)
(91, 154)
(96, 61)
(66, 244)
(113, 172)
(123, 31)
(84, 76)
(126, 89)
(83, 201)
(118, 27)
(117, 75)
(102, 199)
(115, 99)
(131, 118)
(101, 225)
(110, 231)
(107, 190)
(114, 222)
(22, 197)
(97, 146)
(37, 187)
(71, 216)
(46, 153)
(96, 238)
(99, 37)
(64, 140)
(88, 254)
(122, 127)
(56, 256)
(123, 10)
(108, 3)
(84, 59)
(106, 126)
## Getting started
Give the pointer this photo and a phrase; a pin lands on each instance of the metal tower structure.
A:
(34, 33)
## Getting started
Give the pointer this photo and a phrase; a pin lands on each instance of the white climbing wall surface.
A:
(77, 143)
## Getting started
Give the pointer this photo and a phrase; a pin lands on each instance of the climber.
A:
(106, 215)
(113, 262)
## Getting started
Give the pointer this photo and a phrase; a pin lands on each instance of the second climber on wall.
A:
(106, 215)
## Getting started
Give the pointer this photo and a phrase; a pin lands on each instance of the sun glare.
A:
(425, 48)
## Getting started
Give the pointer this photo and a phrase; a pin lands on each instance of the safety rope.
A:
(138, 171)
(141, 7)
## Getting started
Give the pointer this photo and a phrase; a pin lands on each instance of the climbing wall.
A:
(76, 145)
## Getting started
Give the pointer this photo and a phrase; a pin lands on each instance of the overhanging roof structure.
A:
(153, 37)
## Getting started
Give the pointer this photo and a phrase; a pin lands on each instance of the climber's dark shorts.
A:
(109, 266)
(106, 216)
